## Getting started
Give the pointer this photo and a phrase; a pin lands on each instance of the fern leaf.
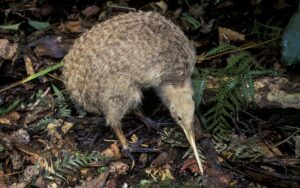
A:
(220, 49)
(199, 86)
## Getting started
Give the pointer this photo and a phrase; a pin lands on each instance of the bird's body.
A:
(108, 66)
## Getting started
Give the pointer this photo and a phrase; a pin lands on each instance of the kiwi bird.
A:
(107, 68)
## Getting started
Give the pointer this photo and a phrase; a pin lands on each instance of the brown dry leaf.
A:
(71, 26)
(196, 10)
(98, 181)
(111, 183)
(74, 26)
(270, 151)
(8, 51)
(20, 136)
(11, 117)
(162, 5)
(54, 131)
(46, 9)
(226, 35)
(33, 158)
(118, 168)
(66, 127)
(90, 10)
(143, 158)
(160, 160)
(190, 164)
(163, 172)
(30, 173)
(16, 160)
(51, 46)
(134, 138)
(217, 178)
(28, 65)
(2, 178)
(112, 151)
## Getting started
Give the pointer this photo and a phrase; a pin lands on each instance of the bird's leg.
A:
(125, 146)
(117, 106)
(127, 149)
(121, 137)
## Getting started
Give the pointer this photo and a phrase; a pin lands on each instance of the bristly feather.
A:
(110, 64)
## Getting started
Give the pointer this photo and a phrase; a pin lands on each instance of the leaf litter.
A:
(44, 143)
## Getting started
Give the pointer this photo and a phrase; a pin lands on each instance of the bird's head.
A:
(179, 100)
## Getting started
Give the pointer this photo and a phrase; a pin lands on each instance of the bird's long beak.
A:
(191, 138)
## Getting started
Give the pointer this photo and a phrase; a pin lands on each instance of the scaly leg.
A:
(121, 137)
(125, 146)
(116, 107)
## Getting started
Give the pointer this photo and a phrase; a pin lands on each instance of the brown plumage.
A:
(108, 66)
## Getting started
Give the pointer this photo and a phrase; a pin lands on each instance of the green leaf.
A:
(191, 20)
(38, 25)
(14, 27)
(9, 107)
(199, 86)
(220, 49)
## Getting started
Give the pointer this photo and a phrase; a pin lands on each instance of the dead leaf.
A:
(206, 27)
(118, 168)
(20, 136)
(162, 172)
(8, 51)
(74, 26)
(9, 118)
(143, 158)
(270, 151)
(30, 173)
(16, 160)
(162, 5)
(190, 164)
(66, 127)
(196, 10)
(98, 181)
(226, 35)
(28, 65)
(112, 183)
(112, 151)
(90, 10)
(51, 46)
(134, 138)
(46, 9)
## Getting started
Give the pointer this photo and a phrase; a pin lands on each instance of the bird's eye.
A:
(178, 118)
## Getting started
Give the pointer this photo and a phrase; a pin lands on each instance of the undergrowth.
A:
(234, 89)
(62, 109)
(68, 165)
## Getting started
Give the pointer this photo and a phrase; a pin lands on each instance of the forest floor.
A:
(46, 140)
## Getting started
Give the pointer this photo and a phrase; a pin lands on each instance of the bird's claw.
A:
(127, 150)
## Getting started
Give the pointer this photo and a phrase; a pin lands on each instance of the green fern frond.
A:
(199, 86)
(220, 49)
(70, 164)
(63, 108)
(40, 126)
(59, 94)
(236, 88)
(234, 60)
(266, 31)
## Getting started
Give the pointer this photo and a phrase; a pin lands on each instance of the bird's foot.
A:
(128, 150)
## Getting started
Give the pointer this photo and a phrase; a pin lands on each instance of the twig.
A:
(204, 58)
